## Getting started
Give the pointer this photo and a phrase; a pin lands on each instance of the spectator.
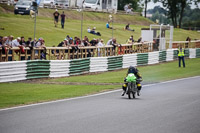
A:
(56, 16)
(139, 40)
(89, 30)
(129, 41)
(96, 33)
(22, 42)
(15, 43)
(29, 44)
(93, 42)
(132, 39)
(108, 25)
(86, 41)
(113, 42)
(41, 44)
(10, 41)
(2, 45)
(187, 44)
(100, 44)
(68, 37)
(128, 28)
(93, 31)
(62, 19)
(64, 43)
(9, 45)
(1, 41)
(127, 8)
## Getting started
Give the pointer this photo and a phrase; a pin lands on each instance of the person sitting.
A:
(134, 71)
(108, 25)
(89, 30)
(127, 8)
(128, 28)
(93, 31)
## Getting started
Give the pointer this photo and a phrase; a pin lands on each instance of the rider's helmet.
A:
(132, 69)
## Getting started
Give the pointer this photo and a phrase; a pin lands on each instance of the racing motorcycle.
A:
(131, 86)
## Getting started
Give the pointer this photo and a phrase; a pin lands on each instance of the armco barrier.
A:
(22, 70)
(59, 68)
(170, 55)
(128, 60)
(162, 56)
(142, 59)
(198, 53)
(153, 57)
(192, 53)
(12, 71)
(79, 66)
(115, 62)
(175, 54)
(98, 64)
(38, 69)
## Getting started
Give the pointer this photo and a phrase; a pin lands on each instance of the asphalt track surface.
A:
(170, 107)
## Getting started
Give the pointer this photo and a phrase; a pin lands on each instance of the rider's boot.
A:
(139, 88)
(124, 89)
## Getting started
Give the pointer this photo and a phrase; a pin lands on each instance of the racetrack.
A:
(170, 107)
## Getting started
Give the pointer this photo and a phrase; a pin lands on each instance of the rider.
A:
(135, 71)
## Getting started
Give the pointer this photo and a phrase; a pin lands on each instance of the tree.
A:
(157, 9)
(176, 9)
(145, 7)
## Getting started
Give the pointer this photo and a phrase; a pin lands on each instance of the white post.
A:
(160, 38)
(171, 36)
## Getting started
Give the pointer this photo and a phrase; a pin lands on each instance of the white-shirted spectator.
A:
(15, 43)
(100, 44)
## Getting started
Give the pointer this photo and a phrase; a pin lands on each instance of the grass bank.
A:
(18, 93)
(23, 25)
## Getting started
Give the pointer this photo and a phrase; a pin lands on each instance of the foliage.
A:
(176, 9)
(161, 17)
(191, 17)
(157, 9)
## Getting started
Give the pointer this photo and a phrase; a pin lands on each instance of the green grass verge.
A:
(15, 94)
(153, 73)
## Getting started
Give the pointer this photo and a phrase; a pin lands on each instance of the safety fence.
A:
(72, 52)
(22, 70)
(78, 52)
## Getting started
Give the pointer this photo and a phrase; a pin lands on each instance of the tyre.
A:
(133, 95)
(129, 90)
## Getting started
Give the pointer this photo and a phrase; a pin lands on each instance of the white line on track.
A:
(75, 98)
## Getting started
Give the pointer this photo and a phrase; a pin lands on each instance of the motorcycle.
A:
(131, 86)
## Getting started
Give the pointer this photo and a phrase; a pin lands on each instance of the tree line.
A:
(175, 9)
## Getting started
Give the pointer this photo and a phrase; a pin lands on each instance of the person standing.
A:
(181, 53)
(56, 16)
(62, 19)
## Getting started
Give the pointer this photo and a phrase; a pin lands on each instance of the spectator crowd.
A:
(8, 42)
